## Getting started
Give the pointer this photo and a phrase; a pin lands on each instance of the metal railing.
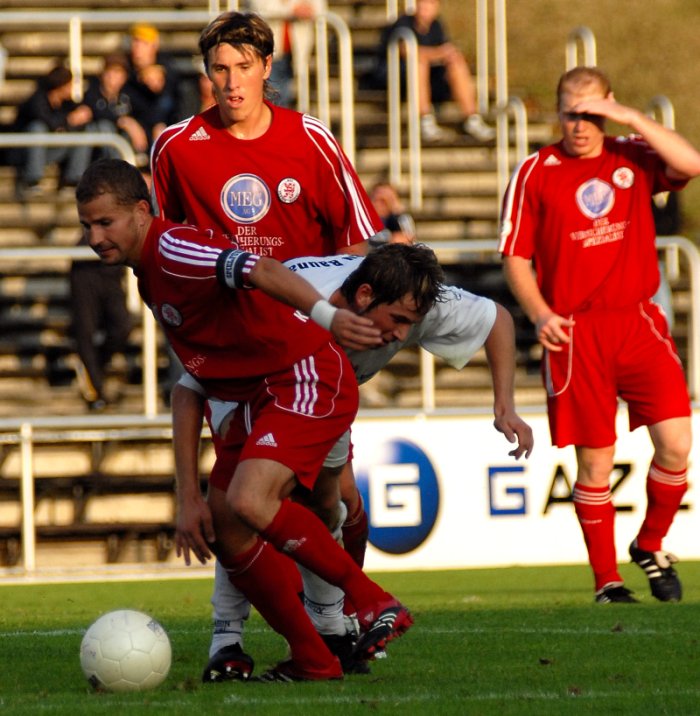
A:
(584, 37)
(42, 254)
(76, 21)
(405, 37)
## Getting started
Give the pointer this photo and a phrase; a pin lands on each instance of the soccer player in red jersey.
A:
(274, 180)
(296, 385)
(580, 210)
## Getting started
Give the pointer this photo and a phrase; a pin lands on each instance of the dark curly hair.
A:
(394, 270)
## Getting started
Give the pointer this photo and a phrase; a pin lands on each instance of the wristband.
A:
(322, 313)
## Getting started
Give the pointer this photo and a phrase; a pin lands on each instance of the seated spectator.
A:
(51, 109)
(154, 84)
(111, 107)
(291, 22)
(397, 221)
(100, 324)
(443, 73)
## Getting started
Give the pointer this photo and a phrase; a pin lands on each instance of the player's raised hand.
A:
(354, 332)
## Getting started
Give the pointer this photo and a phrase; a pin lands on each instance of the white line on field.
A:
(424, 630)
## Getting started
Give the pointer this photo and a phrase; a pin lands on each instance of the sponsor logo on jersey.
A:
(288, 190)
(595, 198)
(551, 161)
(401, 492)
(170, 315)
(199, 135)
(623, 177)
(245, 198)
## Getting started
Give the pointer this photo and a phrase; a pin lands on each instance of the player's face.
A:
(114, 232)
(583, 134)
(394, 320)
(238, 80)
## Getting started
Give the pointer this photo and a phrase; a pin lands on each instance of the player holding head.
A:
(581, 208)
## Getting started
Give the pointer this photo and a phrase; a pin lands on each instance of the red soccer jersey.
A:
(291, 192)
(229, 339)
(587, 223)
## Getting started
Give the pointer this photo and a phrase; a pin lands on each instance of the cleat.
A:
(230, 663)
(615, 592)
(379, 625)
(342, 646)
(287, 671)
(663, 580)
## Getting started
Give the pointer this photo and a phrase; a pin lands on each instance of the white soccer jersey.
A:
(454, 329)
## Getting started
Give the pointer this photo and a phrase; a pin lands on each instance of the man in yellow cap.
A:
(154, 83)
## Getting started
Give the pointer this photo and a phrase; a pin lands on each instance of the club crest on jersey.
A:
(288, 190)
(595, 198)
(245, 198)
(170, 315)
(623, 177)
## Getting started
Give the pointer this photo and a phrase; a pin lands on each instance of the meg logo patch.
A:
(595, 198)
(245, 198)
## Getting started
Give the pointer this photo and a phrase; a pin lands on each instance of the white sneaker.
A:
(475, 125)
(430, 130)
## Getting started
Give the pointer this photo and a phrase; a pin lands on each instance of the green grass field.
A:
(506, 641)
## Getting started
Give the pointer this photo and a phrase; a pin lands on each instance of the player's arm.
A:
(238, 269)
(549, 326)
(500, 353)
(194, 529)
(682, 159)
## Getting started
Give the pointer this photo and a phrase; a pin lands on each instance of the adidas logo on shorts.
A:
(268, 440)
(199, 135)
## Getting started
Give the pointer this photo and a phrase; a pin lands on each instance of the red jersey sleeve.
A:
(166, 198)
(344, 201)
(519, 213)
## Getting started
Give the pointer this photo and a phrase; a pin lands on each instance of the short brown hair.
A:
(113, 176)
(580, 77)
(242, 30)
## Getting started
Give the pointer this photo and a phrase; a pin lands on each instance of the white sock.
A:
(231, 609)
(324, 602)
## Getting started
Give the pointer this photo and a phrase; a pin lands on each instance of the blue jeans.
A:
(75, 160)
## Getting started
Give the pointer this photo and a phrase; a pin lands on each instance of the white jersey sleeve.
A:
(456, 327)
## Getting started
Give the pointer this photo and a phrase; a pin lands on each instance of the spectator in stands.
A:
(100, 324)
(154, 84)
(111, 106)
(397, 221)
(443, 73)
(50, 108)
(292, 24)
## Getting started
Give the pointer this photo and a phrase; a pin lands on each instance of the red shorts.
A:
(626, 353)
(295, 419)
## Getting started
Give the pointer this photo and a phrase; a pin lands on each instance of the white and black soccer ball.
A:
(125, 650)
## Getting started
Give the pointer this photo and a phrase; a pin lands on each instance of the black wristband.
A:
(229, 268)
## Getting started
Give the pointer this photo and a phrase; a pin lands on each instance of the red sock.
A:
(596, 515)
(296, 531)
(267, 578)
(356, 533)
(665, 490)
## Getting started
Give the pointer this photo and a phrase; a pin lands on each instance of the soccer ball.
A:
(125, 650)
